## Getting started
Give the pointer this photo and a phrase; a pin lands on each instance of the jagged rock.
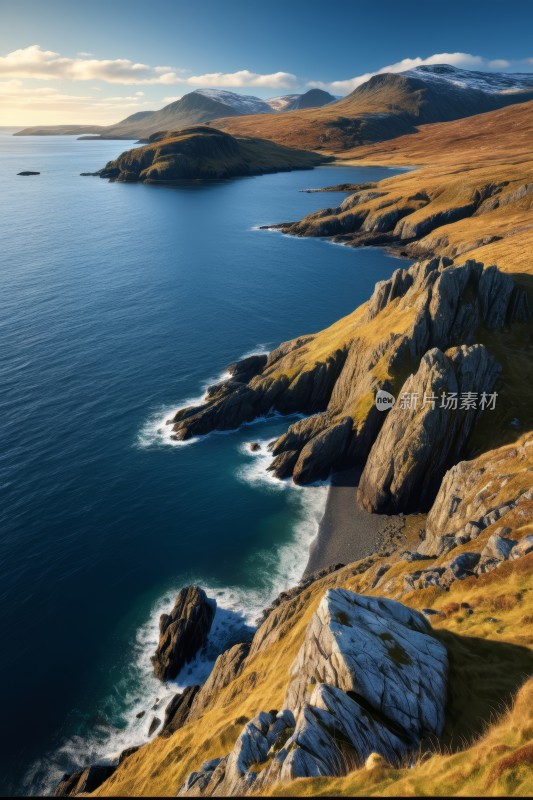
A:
(154, 725)
(497, 549)
(227, 667)
(282, 465)
(380, 572)
(450, 302)
(84, 781)
(370, 678)
(290, 594)
(379, 649)
(197, 782)
(183, 632)
(247, 368)
(462, 566)
(323, 453)
(178, 710)
(129, 751)
(472, 496)
(523, 547)
(416, 445)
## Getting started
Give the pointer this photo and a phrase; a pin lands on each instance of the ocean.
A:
(118, 304)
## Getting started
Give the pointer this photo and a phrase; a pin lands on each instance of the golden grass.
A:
(488, 663)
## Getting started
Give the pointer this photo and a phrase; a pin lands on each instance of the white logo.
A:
(384, 400)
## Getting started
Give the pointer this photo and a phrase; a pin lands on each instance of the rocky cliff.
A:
(333, 376)
(369, 679)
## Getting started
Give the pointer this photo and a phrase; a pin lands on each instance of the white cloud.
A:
(33, 62)
(465, 60)
(275, 80)
(499, 63)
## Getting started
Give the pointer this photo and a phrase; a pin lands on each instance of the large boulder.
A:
(418, 442)
(370, 678)
(183, 632)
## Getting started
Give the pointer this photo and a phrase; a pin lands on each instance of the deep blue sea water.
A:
(118, 303)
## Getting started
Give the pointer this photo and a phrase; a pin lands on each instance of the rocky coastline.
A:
(417, 510)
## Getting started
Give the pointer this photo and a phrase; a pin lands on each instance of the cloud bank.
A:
(33, 62)
(463, 60)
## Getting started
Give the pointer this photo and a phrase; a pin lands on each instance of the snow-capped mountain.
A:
(314, 98)
(283, 102)
(242, 103)
(491, 82)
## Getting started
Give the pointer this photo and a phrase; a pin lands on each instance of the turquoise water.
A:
(118, 303)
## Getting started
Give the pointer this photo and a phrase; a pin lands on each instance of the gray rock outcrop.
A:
(447, 305)
(370, 678)
(416, 445)
(183, 632)
(473, 496)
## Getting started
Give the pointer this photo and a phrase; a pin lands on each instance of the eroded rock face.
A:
(475, 494)
(370, 678)
(227, 667)
(445, 305)
(416, 445)
(178, 710)
(183, 632)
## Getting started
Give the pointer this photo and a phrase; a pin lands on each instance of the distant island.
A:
(202, 153)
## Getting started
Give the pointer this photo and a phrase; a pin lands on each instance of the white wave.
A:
(140, 696)
(157, 429)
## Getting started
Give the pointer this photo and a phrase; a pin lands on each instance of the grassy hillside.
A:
(204, 153)
(485, 744)
(384, 107)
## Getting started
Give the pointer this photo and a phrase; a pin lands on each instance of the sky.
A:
(70, 61)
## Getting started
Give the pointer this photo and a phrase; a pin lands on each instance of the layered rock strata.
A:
(333, 376)
(369, 678)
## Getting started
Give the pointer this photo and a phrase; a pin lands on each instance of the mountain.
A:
(389, 105)
(194, 108)
(314, 98)
(201, 153)
(492, 82)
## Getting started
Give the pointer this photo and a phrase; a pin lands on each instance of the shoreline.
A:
(346, 533)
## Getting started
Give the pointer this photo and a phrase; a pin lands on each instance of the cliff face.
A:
(334, 375)
(206, 154)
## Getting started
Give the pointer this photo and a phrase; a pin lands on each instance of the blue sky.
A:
(73, 61)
